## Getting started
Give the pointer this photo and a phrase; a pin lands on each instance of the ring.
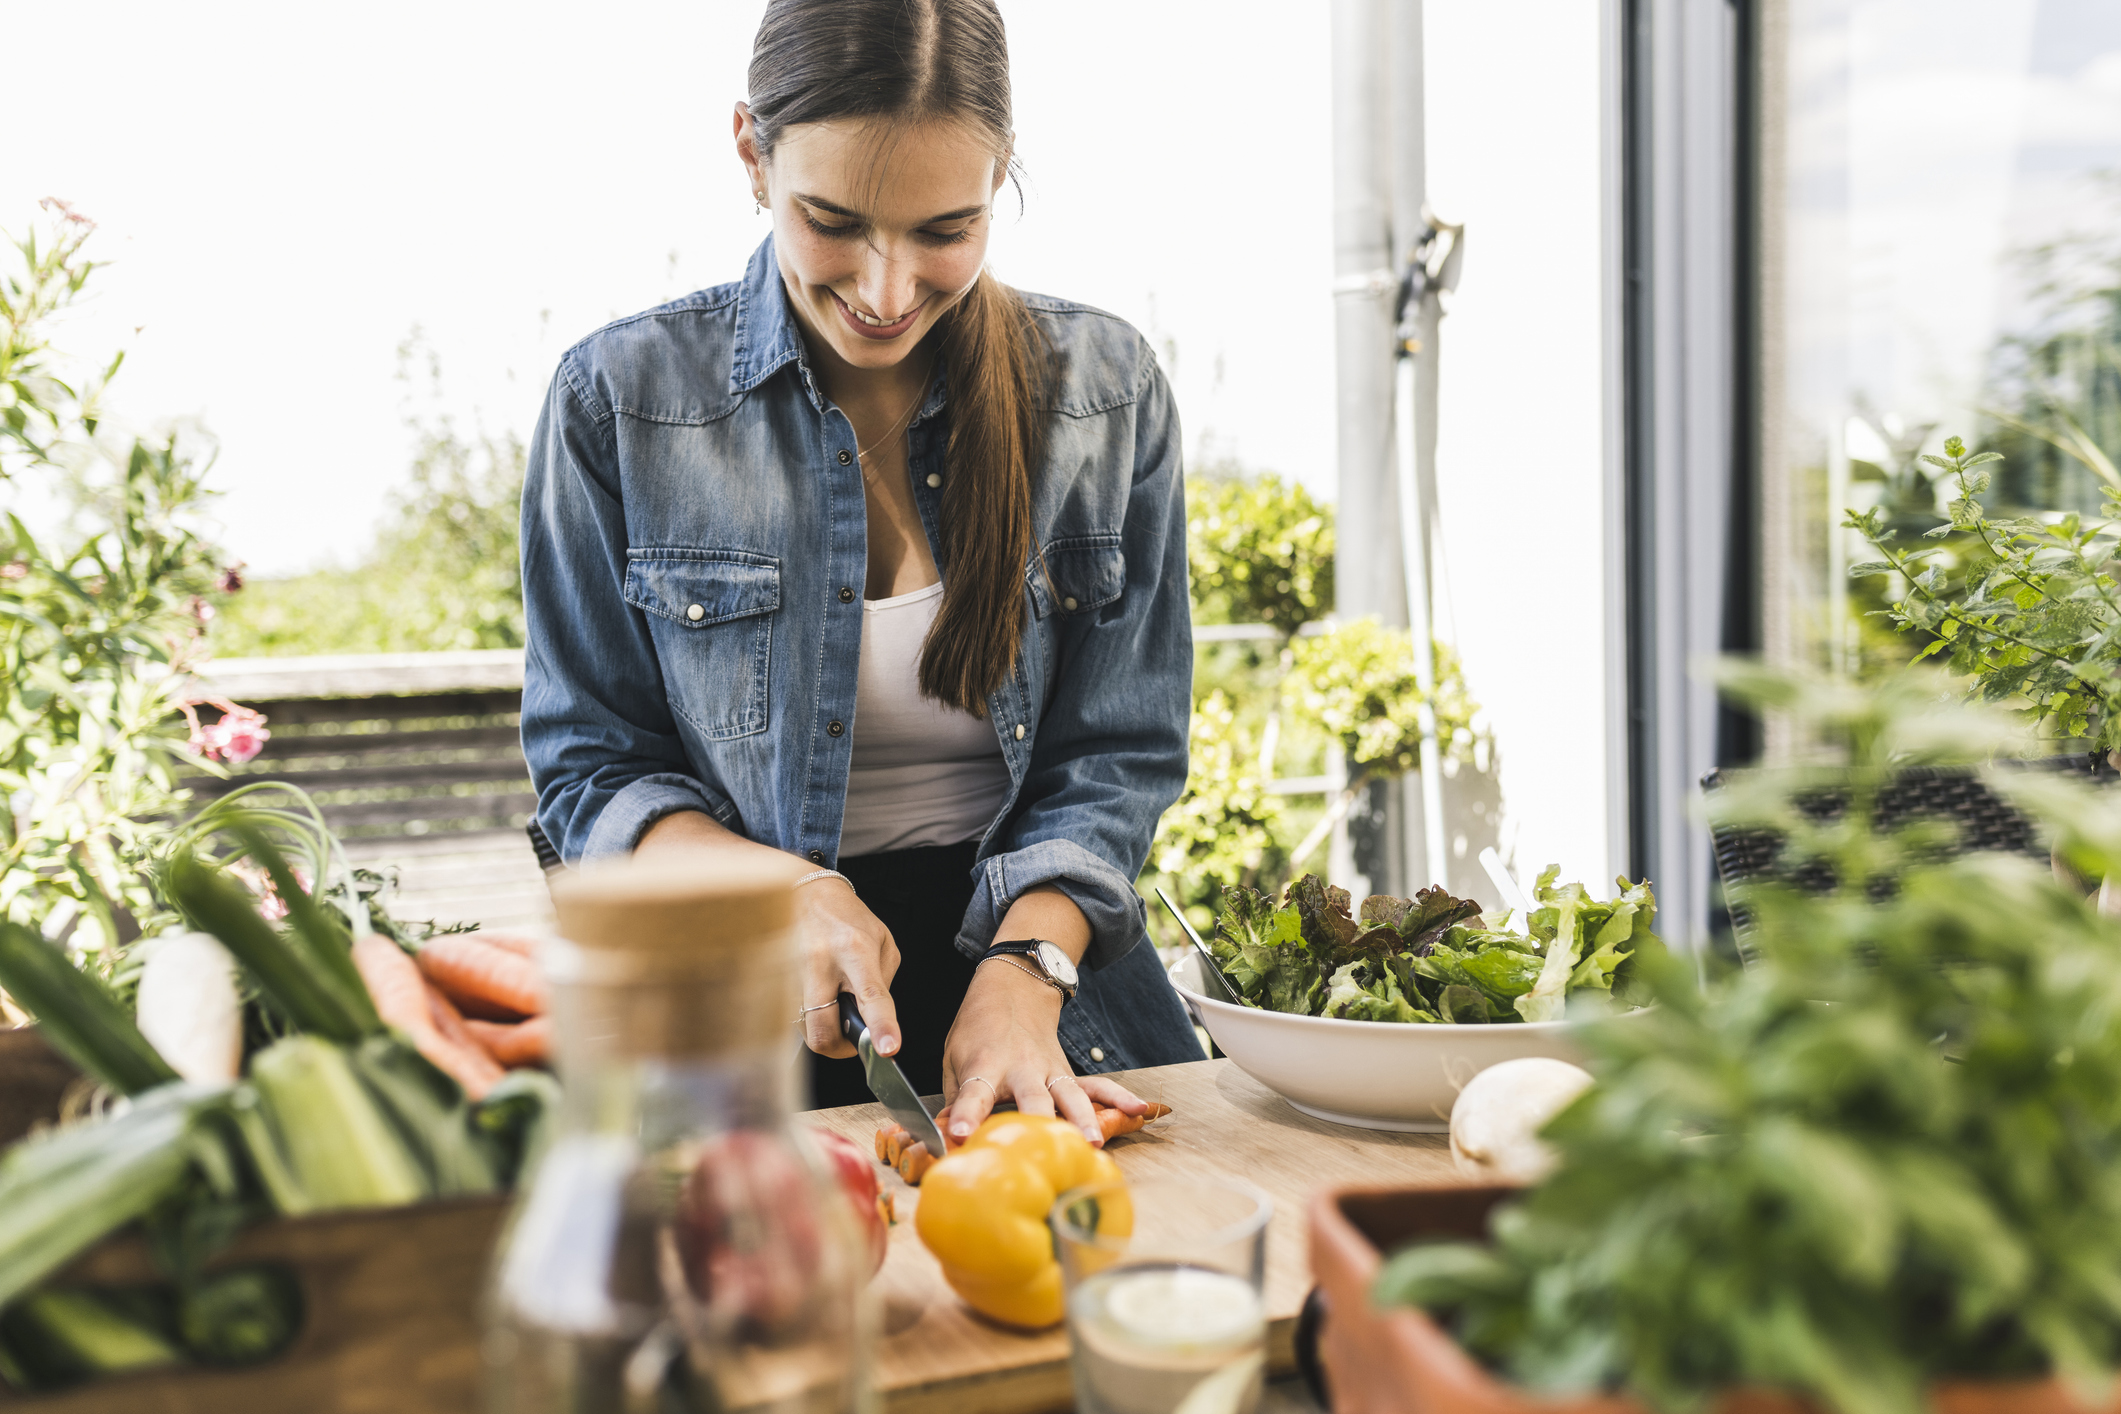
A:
(982, 1080)
(1053, 1080)
(809, 1009)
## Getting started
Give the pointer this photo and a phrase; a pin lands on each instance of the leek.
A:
(62, 1192)
(429, 1112)
(188, 1007)
(338, 1147)
(76, 1015)
(76, 1334)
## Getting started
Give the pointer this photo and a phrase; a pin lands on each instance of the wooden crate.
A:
(33, 1081)
(390, 1320)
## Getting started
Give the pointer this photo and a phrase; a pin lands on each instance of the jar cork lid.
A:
(697, 909)
(663, 959)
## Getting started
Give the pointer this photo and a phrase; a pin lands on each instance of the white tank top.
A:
(923, 773)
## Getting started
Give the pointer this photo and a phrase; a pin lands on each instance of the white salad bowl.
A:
(1374, 1074)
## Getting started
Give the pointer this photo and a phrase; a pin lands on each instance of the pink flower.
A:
(238, 737)
(230, 580)
(14, 569)
(201, 610)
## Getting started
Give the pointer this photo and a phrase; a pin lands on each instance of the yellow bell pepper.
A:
(983, 1213)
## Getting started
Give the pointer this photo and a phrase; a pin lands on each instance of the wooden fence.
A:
(415, 761)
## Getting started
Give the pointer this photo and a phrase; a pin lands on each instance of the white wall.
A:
(1514, 113)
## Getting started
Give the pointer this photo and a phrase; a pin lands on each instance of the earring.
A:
(758, 202)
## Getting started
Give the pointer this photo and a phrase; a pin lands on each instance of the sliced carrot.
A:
(402, 999)
(897, 1147)
(914, 1161)
(522, 1043)
(477, 975)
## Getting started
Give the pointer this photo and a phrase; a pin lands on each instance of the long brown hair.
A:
(819, 60)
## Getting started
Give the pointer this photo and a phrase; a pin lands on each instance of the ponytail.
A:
(994, 354)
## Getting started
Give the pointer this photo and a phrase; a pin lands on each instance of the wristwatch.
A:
(1047, 962)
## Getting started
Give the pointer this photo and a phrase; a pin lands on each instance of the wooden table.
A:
(936, 1356)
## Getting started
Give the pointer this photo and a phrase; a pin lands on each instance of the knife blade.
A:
(887, 1082)
(1207, 959)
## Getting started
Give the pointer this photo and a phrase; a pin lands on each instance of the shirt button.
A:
(817, 856)
(1019, 731)
(1097, 1053)
(695, 613)
(934, 480)
(845, 456)
(1068, 604)
(846, 595)
(835, 727)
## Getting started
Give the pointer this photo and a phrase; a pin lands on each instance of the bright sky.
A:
(288, 192)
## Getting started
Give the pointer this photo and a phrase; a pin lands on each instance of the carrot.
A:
(914, 1161)
(479, 977)
(896, 1146)
(523, 1043)
(401, 999)
(1117, 1122)
(509, 942)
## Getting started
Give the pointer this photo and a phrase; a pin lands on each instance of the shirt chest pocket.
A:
(711, 612)
(1077, 575)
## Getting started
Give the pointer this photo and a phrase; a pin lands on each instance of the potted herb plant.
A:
(1877, 1172)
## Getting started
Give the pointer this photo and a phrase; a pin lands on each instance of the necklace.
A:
(862, 453)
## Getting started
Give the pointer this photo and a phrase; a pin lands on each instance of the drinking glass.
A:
(1163, 1278)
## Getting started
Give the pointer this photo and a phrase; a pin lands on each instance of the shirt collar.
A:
(766, 336)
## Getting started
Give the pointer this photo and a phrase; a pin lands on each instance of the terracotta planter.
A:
(1399, 1361)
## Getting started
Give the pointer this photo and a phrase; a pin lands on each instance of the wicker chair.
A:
(1955, 795)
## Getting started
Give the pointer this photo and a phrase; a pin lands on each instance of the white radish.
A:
(188, 1008)
(1496, 1120)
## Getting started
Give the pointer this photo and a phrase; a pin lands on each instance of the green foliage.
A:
(1889, 1153)
(1221, 829)
(443, 575)
(2033, 618)
(1429, 958)
(1260, 550)
(1358, 685)
(99, 615)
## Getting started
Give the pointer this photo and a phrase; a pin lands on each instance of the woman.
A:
(870, 567)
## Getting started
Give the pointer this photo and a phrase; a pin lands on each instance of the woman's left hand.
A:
(1005, 1043)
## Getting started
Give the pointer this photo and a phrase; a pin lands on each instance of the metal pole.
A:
(1367, 567)
(1417, 390)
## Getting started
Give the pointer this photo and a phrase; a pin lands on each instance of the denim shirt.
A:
(694, 552)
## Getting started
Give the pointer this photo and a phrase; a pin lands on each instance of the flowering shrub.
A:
(103, 607)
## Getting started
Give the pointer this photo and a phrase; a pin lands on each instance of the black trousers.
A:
(920, 895)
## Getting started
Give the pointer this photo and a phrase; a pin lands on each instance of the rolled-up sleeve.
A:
(604, 751)
(1110, 751)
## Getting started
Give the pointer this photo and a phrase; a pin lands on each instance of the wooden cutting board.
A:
(938, 1357)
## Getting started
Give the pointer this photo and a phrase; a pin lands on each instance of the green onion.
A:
(309, 992)
(78, 1334)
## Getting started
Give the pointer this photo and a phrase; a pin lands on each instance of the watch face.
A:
(1057, 965)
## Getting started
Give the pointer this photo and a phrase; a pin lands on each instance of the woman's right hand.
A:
(842, 945)
(844, 948)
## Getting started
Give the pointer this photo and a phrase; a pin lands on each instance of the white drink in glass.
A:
(1167, 1338)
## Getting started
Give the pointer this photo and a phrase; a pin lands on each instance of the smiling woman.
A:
(961, 773)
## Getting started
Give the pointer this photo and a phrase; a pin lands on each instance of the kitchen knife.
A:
(1207, 959)
(887, 1082)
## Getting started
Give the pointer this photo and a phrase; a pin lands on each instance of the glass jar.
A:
(681, 1246)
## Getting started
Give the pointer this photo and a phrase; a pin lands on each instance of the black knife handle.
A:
(851, 1024)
